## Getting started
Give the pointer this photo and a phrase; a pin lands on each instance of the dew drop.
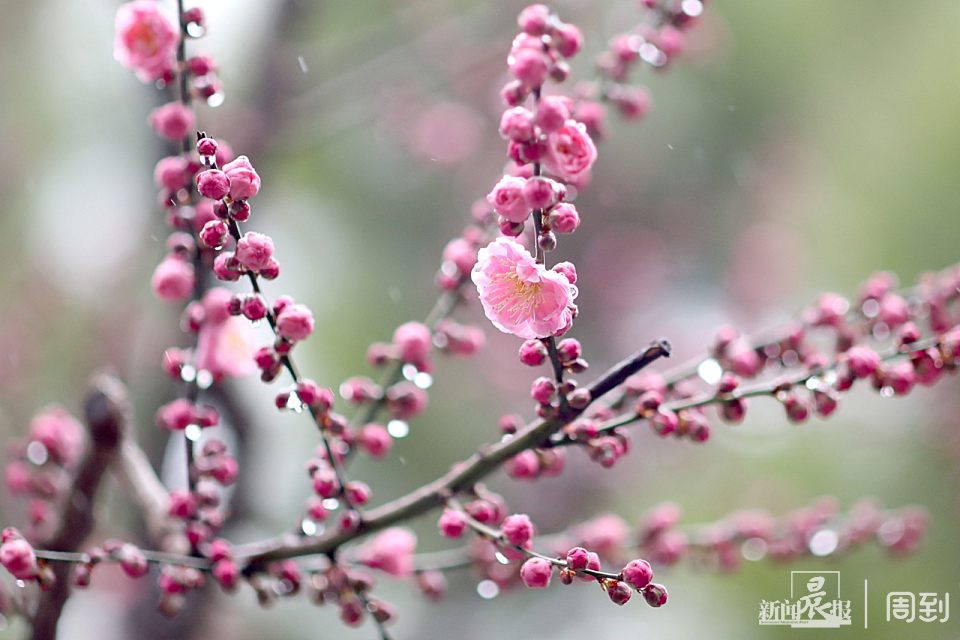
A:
(886, 392)
(303, 64)
(824, 542)
(692, 8)
(188, 373)
(331, 504)
(192, 432)
(204, 379)
(308, 526)
(293, 402)
(216, 99)
(37, 453)
(409, 371)
(710, 371)
(488, 589)
(423, 380)
(754, 549)
(398, 429)
(195, 30)
(502, 559)
(870, 308)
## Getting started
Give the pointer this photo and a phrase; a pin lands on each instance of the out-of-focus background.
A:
(797, 147)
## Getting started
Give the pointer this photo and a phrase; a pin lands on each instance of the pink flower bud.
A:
(171, 173)
(173, 121)
(452, 523)
(214, 234)
(244, 181)
(529, 66)
(254, 307)
(17, 557)
(567, 270)
(655, 594)
(523, 466)
(507, 199)
(295, 322)
(254, 251)
(227, 574)
(619, 593)
(564, 218)
(182, 505)
(207, 147)
(533, 353)
(542, 390)
(358, 493)
(406, 400)
(664, 421)
(375, 440)
(797, 409)
(132, 561)
(577, 559)
(518, 530)
(536, 573)
(862, 361)
(568, 40)
(534, 19)
(325, 483)
(173, 279)
(176, 415)
(213, 184)
(517, 124)
(552, 113)
(413, 341)
(638, 573)
(540, 192)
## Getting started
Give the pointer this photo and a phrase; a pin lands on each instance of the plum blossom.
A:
(146, 39)
(520, 296)
(570, 152)
(391, 552)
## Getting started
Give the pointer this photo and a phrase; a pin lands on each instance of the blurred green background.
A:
(797, 147)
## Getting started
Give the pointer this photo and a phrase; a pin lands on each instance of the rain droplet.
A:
(409, 371)
(423, 380)
(195, 30)
(308, 526)
(192, 432)
(294, 403)
(754, 549)
(330, 504)
(303, 64)
(692, 8)
(398, 429)
(813, 383)
(216, 99)
(886, 392)
(870, 308)
(188, 373)
(488, 589)
(824, 542)
(710, 371)
(37, 453)
(502, 559)
(204, 379)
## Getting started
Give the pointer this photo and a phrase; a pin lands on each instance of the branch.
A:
(487, 459)
(107, 415)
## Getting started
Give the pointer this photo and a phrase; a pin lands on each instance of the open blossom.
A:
(570, 152)
(146, 39)
(520, 296)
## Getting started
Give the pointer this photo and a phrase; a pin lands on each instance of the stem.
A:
(769, 388)
(287, 361)
(487, 459)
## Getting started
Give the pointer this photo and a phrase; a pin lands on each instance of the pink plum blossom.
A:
(146, 39)
(244, 181)
(570, 152)
(520, 296)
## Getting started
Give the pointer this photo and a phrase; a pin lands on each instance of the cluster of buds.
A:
(818, 530)
(42, 464)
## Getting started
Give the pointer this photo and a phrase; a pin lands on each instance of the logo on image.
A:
(814, 602)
